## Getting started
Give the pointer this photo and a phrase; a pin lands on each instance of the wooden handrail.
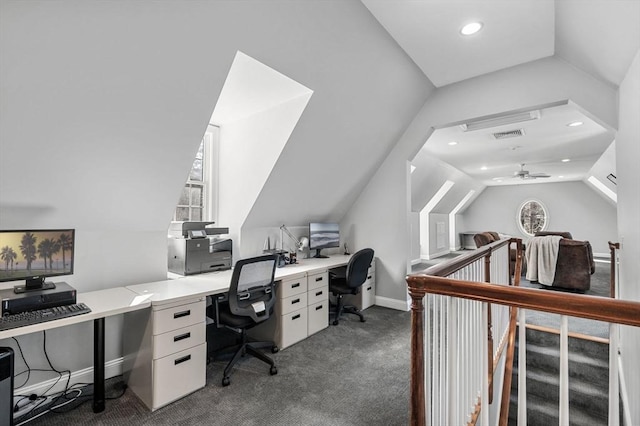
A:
(576, 305)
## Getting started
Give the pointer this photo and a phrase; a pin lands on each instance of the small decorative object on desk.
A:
(293, 257)
(346, 250)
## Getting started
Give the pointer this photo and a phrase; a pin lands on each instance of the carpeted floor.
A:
(351, 374)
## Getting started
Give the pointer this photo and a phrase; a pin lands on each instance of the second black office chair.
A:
(349, 280)
(251, 301)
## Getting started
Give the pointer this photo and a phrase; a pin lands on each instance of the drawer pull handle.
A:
(181, 337)
(368, 288)
(319, 279)
(318, 307)
(181, 314)
(181, 360)
(318, 293)
(293, 302)
(295, 317)
(369, 277)
(295, 285)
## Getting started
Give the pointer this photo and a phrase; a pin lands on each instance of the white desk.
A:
(166, 348)
(103, 303)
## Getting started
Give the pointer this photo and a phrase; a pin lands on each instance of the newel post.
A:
(417, 402)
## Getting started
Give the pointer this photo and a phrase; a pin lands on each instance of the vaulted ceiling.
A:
(599, 38)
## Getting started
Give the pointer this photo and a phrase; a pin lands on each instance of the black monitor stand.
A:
(33, 284)
(319, 256)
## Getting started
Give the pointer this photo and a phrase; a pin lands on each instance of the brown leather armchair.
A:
(575, 264)
(484, 238)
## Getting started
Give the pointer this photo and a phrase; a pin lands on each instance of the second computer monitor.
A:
(323, 235)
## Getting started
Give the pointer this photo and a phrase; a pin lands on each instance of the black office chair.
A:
(348, 280)
(250, 302)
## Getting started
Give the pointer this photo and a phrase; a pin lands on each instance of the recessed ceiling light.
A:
(471, 28)
(483, 168)
(452, 143)
(561, 177)
(575, 124)
(566, 160)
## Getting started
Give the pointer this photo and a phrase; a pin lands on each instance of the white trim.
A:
(416, 261)
(603, 257)
(112, 368)
(396, 304)
(624, 395)
(439, 254)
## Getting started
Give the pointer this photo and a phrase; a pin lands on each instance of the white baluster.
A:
(564, 371)
(522, 368)
(614, 396)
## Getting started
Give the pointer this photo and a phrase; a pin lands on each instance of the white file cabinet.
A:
(318, 302)
(165, 351)
(367, 295)
(302, 309)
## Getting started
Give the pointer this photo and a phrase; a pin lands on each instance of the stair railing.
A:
(424, 406)
(458, 328)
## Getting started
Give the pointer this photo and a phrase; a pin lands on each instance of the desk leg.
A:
(98, 365)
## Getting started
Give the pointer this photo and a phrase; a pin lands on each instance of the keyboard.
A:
(42, 315)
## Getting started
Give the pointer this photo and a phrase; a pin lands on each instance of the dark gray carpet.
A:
(600, 284)
(351, 374)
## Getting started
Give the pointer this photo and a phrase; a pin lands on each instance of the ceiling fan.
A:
(524, 174)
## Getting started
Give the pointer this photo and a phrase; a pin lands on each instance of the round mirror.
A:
(532, 217)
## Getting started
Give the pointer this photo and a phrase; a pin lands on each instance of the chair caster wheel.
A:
(274, 349)
(226, 381)
(273, 371)
(335, 322)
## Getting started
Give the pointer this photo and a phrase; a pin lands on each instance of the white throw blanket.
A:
(541, 256)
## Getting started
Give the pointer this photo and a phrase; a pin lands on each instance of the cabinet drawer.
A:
(316, 295)
(292, 303)
(318, 317)
(294, 327)
(178, 340)
(177, 317)
(177, 375)
(318, 280)
(290, 287)
(368, 292)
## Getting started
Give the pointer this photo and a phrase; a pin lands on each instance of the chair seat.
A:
(340, 286)
(227, 318)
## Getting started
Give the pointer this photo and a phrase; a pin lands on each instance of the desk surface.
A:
(194, 286)
(103, 303)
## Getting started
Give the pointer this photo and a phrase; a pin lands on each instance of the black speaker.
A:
(6, 386)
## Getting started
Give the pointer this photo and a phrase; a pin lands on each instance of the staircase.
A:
(588, 381)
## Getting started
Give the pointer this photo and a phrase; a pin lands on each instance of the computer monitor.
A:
(323, 235)
(34, 255)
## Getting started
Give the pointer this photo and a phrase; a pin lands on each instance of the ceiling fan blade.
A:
(539, 175)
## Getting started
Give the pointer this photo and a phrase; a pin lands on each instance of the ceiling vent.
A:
(509, 134)
(500, 120)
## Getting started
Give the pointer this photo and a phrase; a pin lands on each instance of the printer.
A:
(197, 247)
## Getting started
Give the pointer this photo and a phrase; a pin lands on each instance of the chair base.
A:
(346, 309)
(250, 348)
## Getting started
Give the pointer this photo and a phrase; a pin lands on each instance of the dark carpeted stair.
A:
(588, 381)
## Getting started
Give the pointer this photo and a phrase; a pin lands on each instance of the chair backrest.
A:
(252, 290)
(358, 267)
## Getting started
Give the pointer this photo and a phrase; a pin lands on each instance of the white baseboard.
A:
(624, 394)
(396, 304)
(112, 368)
(415, 261)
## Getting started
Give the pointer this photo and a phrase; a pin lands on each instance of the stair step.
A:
(588, 363)
(581, 367)
(582, 395)
(542, 412)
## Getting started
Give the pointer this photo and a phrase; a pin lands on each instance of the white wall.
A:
(249, 150)
(627, 158)
(386, 200)
(572, 206)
